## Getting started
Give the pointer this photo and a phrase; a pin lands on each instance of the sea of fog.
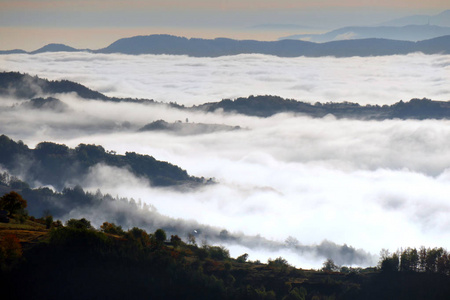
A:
(367, 184)
(191, 80)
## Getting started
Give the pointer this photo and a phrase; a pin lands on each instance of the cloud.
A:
(324, 182)
(188, 80)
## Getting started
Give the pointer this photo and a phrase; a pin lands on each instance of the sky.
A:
(32, 24)
(367, 184)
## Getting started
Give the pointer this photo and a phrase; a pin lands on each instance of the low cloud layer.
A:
(188, 80)
(367, 184)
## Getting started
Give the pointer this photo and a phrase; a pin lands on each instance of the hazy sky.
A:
(94, 24)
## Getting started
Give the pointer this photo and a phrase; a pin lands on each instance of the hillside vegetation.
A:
(25, 86)
(55, 164)
(44, 259)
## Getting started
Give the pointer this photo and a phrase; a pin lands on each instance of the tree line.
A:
(430, 260)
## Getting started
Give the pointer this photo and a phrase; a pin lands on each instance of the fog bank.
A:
(189, 80)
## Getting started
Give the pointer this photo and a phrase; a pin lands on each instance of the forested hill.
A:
(44, 259)
(56, 164)
(25, 86)
(266, 106)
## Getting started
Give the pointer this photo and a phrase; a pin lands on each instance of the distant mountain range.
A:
(172, 45)
(441, 19)
(403, 33)
(260, 106)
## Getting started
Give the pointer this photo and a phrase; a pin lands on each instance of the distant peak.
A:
(55, 48)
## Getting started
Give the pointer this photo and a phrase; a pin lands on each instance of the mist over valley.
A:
(283, 174)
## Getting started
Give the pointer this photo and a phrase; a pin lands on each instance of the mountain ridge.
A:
(196, 47)
(260, 106)
(412, 33)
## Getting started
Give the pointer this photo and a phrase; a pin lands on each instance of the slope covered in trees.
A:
(266, 106)
(77, 260)
(24, 86)
(56, 164)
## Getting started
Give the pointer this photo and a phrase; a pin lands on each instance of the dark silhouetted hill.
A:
(25, 86)
(181, 128)
(49, 103)
(15, 51)
(172, 45)
(57, 165)
(166, 44)
(55, 48)
(266, 106)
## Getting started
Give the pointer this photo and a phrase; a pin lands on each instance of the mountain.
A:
(15, 51)
(404, 33)
(55, 48)
(441, 19)
(172, 45)
(429, 46)
(166, 44)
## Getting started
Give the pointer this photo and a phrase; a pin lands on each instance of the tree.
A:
(160, 236)
(243, 258)
(12, 202)
(218, 252)
(79, 224)
(48, 221)
(280, 264)
(139, 236)
(390, 264)
(111, 228)
(191, 239)
(330, 266)
(175, 240)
